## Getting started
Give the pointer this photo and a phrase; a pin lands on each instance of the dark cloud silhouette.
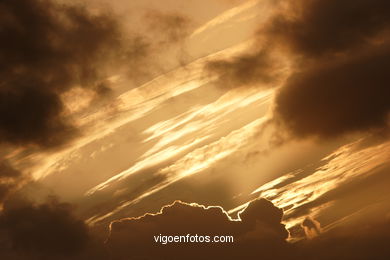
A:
(45, 230)
(337, 97)
(327, 27)
(51, 231)
(338, 56)
(258, 234)
(340, 83)
(46, 49)
(362, 242)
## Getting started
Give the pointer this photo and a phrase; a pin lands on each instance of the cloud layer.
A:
(340, 83)
(48, 229)
(259, 233)
(46, 50)
(338, 56)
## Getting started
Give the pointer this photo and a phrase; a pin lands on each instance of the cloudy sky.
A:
(267, 120)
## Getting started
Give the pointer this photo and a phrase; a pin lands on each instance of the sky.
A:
(265, 120)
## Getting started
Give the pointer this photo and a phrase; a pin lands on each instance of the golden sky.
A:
(113, 110)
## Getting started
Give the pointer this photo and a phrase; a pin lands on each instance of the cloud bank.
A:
(258, 233)
(49, 229)
(339, 55)
(46, 50)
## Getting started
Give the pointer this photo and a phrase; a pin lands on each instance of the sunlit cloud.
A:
(204, 118)
(201, 120)
(202, 158)
(98, 122)
(195, 162)
(343, 166)
(152, 160)
(235, 15)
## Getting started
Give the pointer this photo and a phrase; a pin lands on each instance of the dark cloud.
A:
(255, 69)
(51, 231)
(46, 49)
(340, 82)
(327, 27)
(45, 230)
(363, 242)
(258, 234)
(338, 54)
(49, 48)
(348, 94)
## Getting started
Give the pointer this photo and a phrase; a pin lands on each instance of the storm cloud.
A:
(47, 49)
(348, 94)
(367, 241)
(338, 55)
(340, 82)
(49, 229)
(258, 233)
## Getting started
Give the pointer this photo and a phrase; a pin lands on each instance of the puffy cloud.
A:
(46, 50)
(337, 58)
(51, 230)
(340, 83)
(258, 233)
(326, 27)
(337, 97)
(49, 49)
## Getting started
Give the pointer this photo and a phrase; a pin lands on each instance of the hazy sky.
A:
(110, 110)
